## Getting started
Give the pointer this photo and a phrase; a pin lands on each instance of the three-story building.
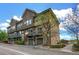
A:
(35, 28)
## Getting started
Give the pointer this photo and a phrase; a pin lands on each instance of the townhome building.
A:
(11, 30)
(35, 28)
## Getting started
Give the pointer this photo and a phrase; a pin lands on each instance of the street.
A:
(12, 49)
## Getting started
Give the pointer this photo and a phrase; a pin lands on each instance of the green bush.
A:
(77, 42)
(3, 35)
(75, 47)
(20, 42)
(5, 41)
(57, 46)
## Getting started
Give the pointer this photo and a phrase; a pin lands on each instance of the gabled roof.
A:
(28, 10)
(52, 13)
(13, 21)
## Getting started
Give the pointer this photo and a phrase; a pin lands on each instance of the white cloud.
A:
(8, 20)
(3, 26)
(63, 12)
(17, 18)
(61, 27)
(77, 6)
(67, 37)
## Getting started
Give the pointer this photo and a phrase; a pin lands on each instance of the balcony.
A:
(13, 35)
(24, 26)
(19, 35)
(11, 30)
(37, 32)
(19, 26)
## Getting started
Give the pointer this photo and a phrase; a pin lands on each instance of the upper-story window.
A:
(39, 30)
(13, 27)
(28, 22)
(19, 25)
(25, 22)
(20, 32)
(30, 31)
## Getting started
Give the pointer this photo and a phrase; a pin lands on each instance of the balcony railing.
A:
(11, 30)
(19, 28)
(14, 35)
(19, 35)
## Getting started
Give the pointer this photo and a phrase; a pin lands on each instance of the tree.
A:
(45, 23)
(46, 30)
(3, 35)
(48, 25)
(71, 24)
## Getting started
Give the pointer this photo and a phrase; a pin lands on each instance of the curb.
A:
(49, 49)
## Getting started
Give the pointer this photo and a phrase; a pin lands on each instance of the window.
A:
(25, 22)
(30, 31)
(20, 32)
(39, 30)
(13, 27)
(29, 22)
(19, 25)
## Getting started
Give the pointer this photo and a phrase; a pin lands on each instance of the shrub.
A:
(57, 46)
(77, 42)
(75, 47)
(20, 42)
(3, 35)
(5, 41)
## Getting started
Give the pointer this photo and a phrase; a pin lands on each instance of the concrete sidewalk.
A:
(47, 48)
(69, 50)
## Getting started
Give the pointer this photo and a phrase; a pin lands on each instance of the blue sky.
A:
(9, 10)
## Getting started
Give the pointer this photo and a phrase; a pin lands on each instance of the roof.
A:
(25, 12)
(28, 10)
(12, 20)
(52, 13)
(45, 11)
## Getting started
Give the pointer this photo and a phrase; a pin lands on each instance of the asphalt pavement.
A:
(12, 49)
